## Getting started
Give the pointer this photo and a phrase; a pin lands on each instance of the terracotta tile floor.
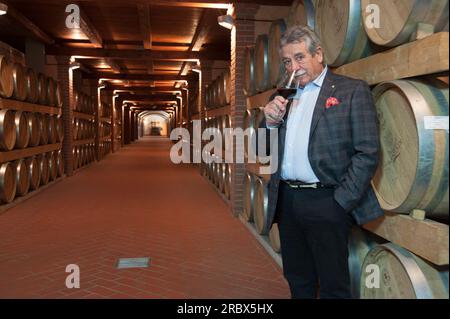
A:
(135, 203)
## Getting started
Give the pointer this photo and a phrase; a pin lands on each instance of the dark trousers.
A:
(314, 231)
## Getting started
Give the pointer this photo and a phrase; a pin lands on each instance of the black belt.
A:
(301, 185)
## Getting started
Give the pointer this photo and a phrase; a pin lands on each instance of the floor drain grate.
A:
(143, 262)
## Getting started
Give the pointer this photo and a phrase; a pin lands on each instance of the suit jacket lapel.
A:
(326, 91)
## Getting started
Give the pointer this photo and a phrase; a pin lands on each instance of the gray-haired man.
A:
(328, 152)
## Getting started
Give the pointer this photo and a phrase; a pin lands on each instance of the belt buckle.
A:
(314, 185)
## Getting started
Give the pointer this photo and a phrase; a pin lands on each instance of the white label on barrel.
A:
(436, 122)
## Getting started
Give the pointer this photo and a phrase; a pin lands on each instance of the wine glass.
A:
(287, 87)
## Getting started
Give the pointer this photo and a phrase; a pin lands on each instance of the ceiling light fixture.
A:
(3, 8)
(226, 21)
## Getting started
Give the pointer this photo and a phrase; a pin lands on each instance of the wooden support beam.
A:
(138, 77)
(149, 95)
(144, 23)
(426, 56)
(425, 238)
(151, 101)
(142, 89)
(28, 25)
(114, 65)
(128, 54)
(207, 20)
(89, 30)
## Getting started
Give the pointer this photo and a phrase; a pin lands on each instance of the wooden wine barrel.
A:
(226, 124)
(227, 86)
(59, 128)
(413, 169)
(52, 129)
(262, 77)
(276, 68)
(31, 86)
(6, 77)
(227, 182)
(340, 27)
(19, 81)
(53, 165)
(249, 197)
(215, 94)
(257, 115)
(51, 91)
(34, 172)
(399, 19)
(76, 158)
(22, 129)
(274, 238)
(44, 166)
(221, 90)
(59, 162)
(76, 101)
(58, 95)
(208, 96)
(75, 128)
(22, 177)
(359, 244)
(82, 129)
(7, 130)
(403, 275)
(248, 125)
(7, 182)
(34, 127)
(220, 176)
(43, 127)
(42, 89)
(260, 206)
(249, 81)
(301, 13)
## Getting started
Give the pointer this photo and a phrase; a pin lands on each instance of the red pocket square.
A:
(332, 101)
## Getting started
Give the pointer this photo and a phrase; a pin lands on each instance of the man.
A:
(328, 150)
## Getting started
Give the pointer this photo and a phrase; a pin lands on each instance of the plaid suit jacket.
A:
(343, 147)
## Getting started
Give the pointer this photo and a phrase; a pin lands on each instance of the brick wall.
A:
(242, 35)
(65, 78)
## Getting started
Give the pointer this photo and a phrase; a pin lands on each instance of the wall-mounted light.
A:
(196, 68)
(75, 65)
(226, 21)
(3, 8)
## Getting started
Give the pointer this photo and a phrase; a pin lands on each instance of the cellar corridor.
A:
(135, 203)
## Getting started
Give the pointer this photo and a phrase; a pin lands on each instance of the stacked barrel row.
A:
(118, 126)
(105, 110)
(83, 154)
(215, 168)
(342, 45)
(83, 129)
(104, 130)
(83, 103)
(20, 129)
(22, 83)
(19, 177)
(218, 93)
(104, 148)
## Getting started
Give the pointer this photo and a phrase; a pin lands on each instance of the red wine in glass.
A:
(287, 93)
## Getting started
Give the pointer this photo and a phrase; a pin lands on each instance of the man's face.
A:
(295, 56)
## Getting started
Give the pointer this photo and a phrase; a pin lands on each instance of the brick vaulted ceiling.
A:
(125, 39)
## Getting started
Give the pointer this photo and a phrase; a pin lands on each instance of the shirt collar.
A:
(317, 81)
